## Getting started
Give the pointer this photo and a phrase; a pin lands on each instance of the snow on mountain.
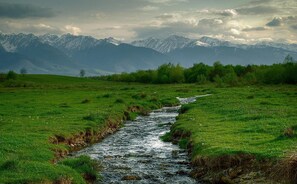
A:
(177, 42)
(163, 45)
(290, 47)
(112, 41)
(15, 42)
(70, 42)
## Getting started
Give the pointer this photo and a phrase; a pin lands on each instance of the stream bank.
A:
(136, 154)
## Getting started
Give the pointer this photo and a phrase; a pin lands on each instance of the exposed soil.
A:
(239, 168)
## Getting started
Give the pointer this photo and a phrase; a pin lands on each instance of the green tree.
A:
(23, 71)
(82, 73)
(176, 74)
(288, 59)
(191, 74)
(219, 82)
(217, 70)
(11, 75)
(201, 79)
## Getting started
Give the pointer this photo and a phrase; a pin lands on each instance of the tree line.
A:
(232, 75)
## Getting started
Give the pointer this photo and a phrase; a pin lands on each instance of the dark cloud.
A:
(166, 16)
(19, 11)
(257, 10)
(255, 29)
(294, 26)
(277, 21)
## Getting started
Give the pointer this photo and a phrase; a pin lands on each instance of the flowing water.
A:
(135, 154)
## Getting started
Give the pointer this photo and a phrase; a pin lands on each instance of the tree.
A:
(82, 73)
(217, 70)
(11, 75)
(23, 71)
(288, 59)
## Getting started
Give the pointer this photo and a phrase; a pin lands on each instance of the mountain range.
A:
(68, 54)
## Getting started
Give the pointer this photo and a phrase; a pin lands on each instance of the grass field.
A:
(257, 120)
(51, 106)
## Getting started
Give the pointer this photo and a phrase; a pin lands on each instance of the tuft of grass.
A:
(185, 108)
(166, 137)
(250, 97)
(107, 95)
(86, 167)
(85, 101)
(119, 100)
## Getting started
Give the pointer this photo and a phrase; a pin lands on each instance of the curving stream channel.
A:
(135, 154)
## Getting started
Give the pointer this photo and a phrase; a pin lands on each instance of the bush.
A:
(219, 82)
(11, 75)
(2, 77)
(201, 79)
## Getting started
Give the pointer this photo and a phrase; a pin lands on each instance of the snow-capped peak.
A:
(13, 42)
(112, 41)
(163, 45)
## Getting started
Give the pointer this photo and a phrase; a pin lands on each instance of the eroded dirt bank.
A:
(238, 168)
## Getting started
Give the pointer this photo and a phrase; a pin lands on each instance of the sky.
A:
(243, 21)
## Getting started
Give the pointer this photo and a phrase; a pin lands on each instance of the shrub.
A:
(11, 75)
(201, 79)
(219, 82)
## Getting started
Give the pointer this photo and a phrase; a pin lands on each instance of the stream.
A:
(135, 153)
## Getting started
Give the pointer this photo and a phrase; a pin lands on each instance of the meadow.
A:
(239, 123)
(37, 109)
(259, 120)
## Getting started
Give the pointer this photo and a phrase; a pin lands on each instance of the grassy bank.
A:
(44, 117)
(239, 124)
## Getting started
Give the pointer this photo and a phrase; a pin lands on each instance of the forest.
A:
(221, 75)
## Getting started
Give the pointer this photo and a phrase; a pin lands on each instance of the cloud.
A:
(19, 11)
(149, 8)
(20, 27)
(169, 17)
(166, 1)
(257, 10)
(73, 29)
(255, 29)
(225, 13)
(294, 26)
(210, 26)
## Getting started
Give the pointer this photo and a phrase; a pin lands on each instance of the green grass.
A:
(248, 120)
(35, 108)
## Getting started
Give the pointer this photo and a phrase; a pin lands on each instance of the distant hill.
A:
(68, 54)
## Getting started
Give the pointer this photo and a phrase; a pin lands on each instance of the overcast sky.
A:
(235, 20)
